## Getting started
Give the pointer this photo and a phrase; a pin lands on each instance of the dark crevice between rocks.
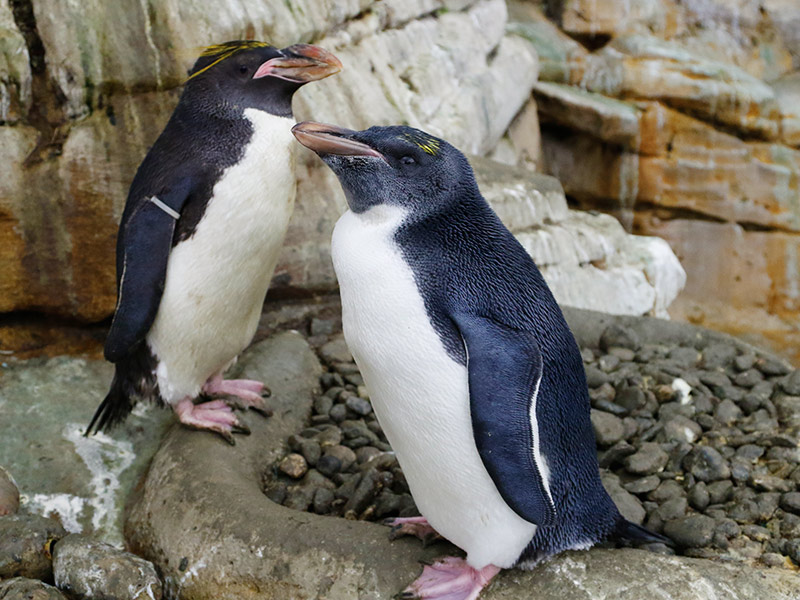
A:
(47, 113)
(28, 334)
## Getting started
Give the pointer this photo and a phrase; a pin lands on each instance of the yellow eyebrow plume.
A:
(226, 50)
(429, 145)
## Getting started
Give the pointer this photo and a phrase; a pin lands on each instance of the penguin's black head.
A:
(391, 165)
(242, 74)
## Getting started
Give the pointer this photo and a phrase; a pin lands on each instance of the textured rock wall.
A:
(85, 88)
(681, 118)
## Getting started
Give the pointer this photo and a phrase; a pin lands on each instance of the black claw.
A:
(263, 410)
(425, 562)
(266, 392)
(226, 435)
(241, 428)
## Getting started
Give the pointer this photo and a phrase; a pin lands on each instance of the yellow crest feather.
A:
(225, 50)
(428, 144)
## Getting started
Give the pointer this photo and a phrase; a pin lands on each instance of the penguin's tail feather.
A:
(113, 409)
(633, 534)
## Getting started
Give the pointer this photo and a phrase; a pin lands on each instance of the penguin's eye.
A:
(243, 69)
(408, 160)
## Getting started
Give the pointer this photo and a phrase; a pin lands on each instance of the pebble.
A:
(643, 485)
(692, 531)
(294, 465)
(699, 498)
(608, 428)
(720, 491)
(772, 366)
(359, 406)
(649, 459)
(336, 351)
(595, 377)
(345, 455)
(25, 542)
(790, 502)
(706, 464)
(90, 569)
(20, 588)
(718, 356)
(630, 398)
(9, 494)
(681, 429)
(619, 336)
(791, 385)
(727, 412)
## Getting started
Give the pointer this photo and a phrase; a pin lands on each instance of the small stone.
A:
(790, 502)
(720, 491)
(25, 542)
(727, 527)
(718, 355)
(631, 398)
(788, 410)
(672, 509)
(595, 377)
(336, 351)
(608, 429)
(699, 497)
(365, 491)
(791, 385)
(323, 499)
(9, 494)
(605, 392)
(706, 464)
(749, 452)
(359, 406)
(624, 354)
(665, 393)
(756, 533)
(276, 491)
(387, 503)
(682, 429)
(628, 505)
(354, 379)
(667, 490)
(727, 412)
(366, 454)
(619, 336)
(643, 485)
(770, 483)
(299, 497)
(748, 378)
(338, 413)
(615, 454)
(87, 568)
(693, 531)
(792, 548)
(293, 465)
(311, 451)
(322, 405)
(744, 362)
(685, 357)
(329, 465)
(345, 455)
(650, 458)
(773, 559)
(20, 588)
(608, 362)
(321, 326)
(772, 366)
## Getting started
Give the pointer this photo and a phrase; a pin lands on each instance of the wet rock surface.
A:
(25, 546)
(9, 494)
(203, 502)
(21, 588)
(86, 568)
(689, 431)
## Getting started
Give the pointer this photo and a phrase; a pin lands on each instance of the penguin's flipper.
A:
(147, 239)
(504, 370)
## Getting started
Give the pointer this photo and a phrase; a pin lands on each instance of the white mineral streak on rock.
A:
(106, 459)
(68, 507)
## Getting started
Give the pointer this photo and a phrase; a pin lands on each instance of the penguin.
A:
(474, 375)
(200, 234)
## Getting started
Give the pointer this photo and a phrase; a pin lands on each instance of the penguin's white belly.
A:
(217, 279)
(419, 393)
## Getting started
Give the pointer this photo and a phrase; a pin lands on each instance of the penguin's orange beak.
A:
(301, 63)
(330, 139)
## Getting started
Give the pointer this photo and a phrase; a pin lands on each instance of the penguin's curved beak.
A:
(330, 139)
(301, 63)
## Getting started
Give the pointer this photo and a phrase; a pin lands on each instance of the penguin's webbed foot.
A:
(214, 416)
(450, 578)
(244, 393)
(416, 526)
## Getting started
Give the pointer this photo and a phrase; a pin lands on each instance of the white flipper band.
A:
(172, 213)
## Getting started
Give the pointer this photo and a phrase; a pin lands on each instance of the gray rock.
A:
(323, 405)
(706, 464)
(322, 326)
(720, 491)
(770, 483)
(672, 509)
(685, 357)
(336, 351)
(616, 454)
(727, 412)
(791, 385)
(294, 465)
(791, 502)
(682, 429)
(608, 429)
(25, 542)
(9, 494)
(718, 355)
(311, 451)
(630, 398)
(650, 458)
(608, 362)
(84, 481)
(87, 568)
(667, 490)
(345, 455)
(620, 336)
(359, 406)
(698, 497)
(643, 485)
(329, 465)
(629, 505)
(20, 588)
(788, 409)
(748, 378)
(693, 531)
(743, 362)
(595, 377)
(772, 366)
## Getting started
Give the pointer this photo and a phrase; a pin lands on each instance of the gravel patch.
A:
(699, 443)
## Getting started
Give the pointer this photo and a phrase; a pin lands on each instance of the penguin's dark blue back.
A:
(463, 257)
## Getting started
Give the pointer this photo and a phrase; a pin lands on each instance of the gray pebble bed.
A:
(697, 443)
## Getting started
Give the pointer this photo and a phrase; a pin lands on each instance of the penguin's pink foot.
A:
(249, 393)
(214, 416)
(450, 578)
(416, 526)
